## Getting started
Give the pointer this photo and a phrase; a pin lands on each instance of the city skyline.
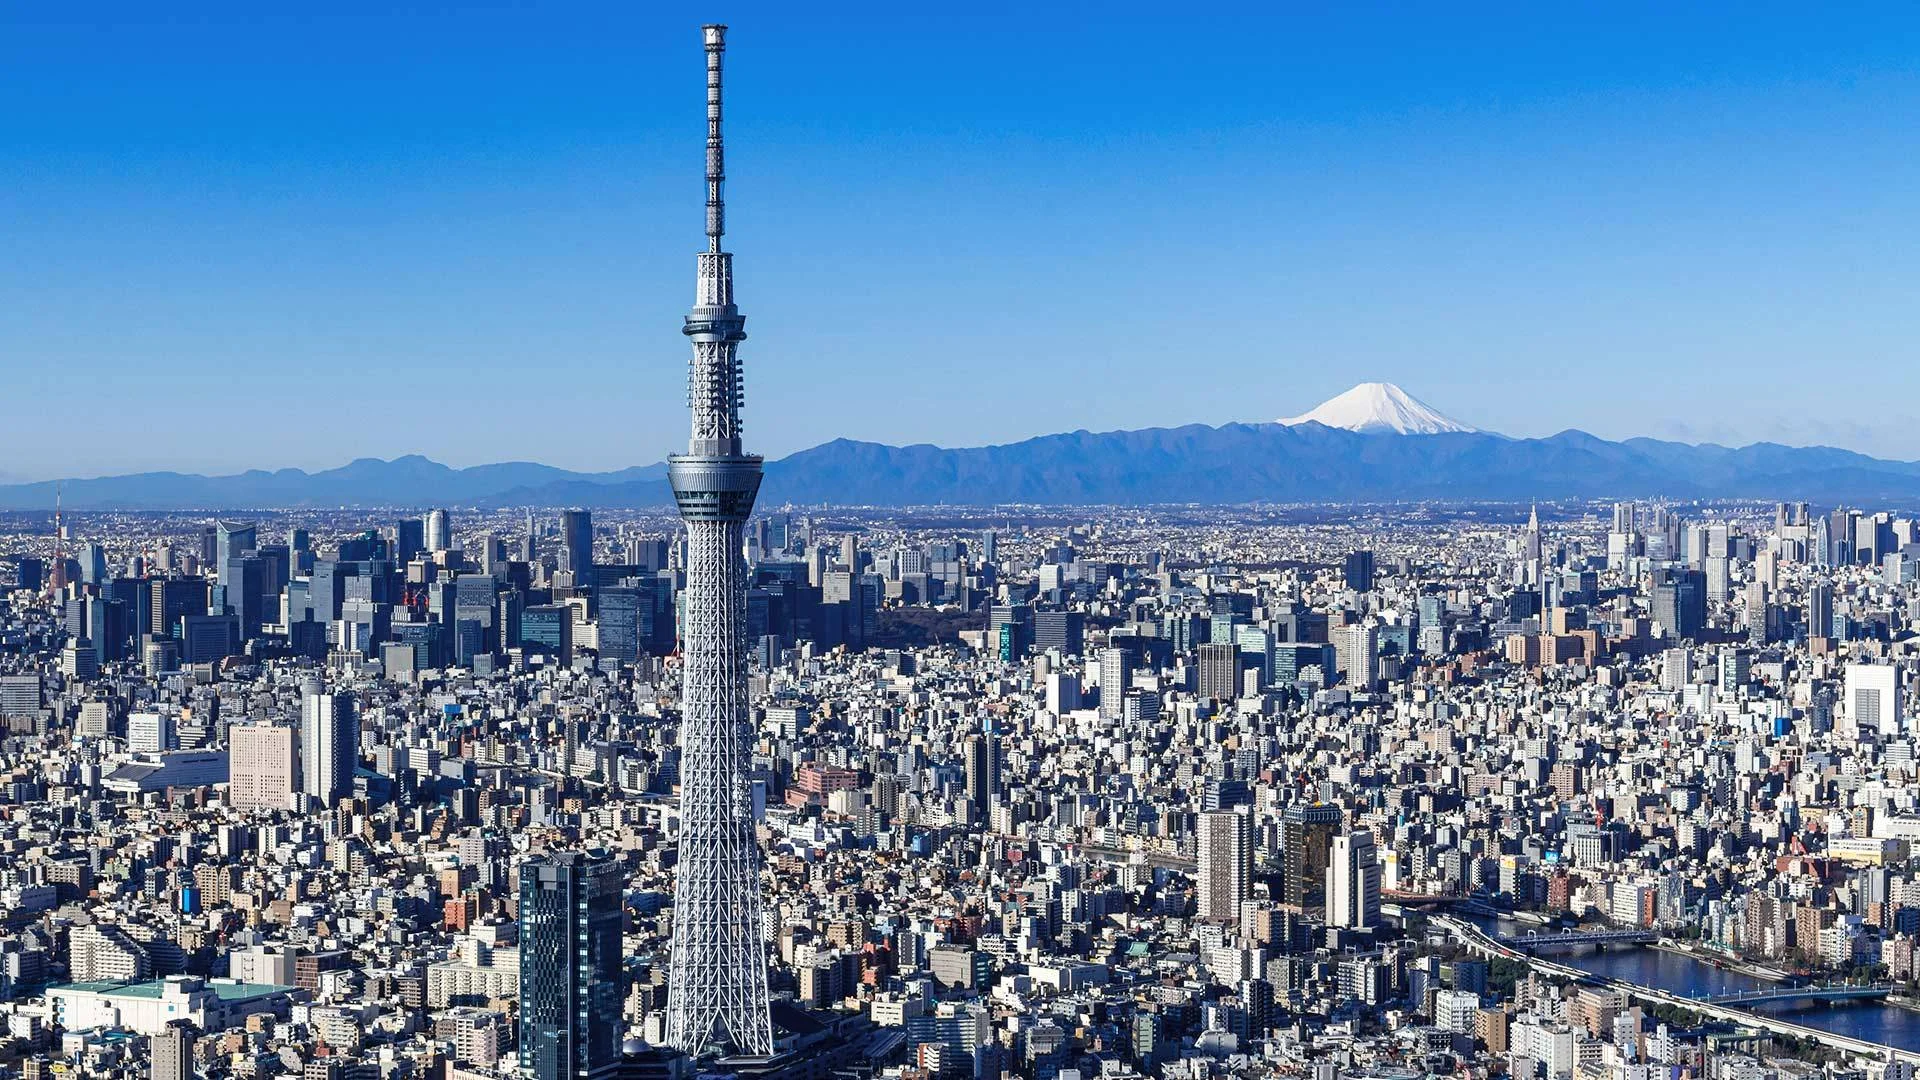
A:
(1682, 201)
(1370, 742)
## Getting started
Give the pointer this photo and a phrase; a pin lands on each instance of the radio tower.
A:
(717, 994)
(57, 575)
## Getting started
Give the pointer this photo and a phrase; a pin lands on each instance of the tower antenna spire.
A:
(716, 37)
(57, 579)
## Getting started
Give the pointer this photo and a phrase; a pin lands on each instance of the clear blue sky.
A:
(234, 239)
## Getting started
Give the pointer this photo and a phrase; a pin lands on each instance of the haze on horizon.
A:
(242, 239)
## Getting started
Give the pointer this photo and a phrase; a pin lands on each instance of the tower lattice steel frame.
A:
(718, 992)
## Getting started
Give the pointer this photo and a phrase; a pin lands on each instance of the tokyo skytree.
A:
(718, 988)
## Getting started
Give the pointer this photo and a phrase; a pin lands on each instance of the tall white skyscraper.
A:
(1356, 651)
(1226, 865)
(1676, 669)
(329, 745)
(439, 535)
(1873, 699)
(1115, 667)
(1353, 882)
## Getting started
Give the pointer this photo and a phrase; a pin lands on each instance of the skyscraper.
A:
(1353, 882)
(1357, 652)
(438, 531)
(572, 981)
(1873, 699)
(1219, 670)
(1116, 666)
(576, 545)
(983, 771)
(329, 745)
(240, 580)
(93, 564)
(409, 539)
(1359, 571)
(232, 540)
(1820, 609)
(719, 964)
(1226, 865)
(1306, 836)
(1680, 603)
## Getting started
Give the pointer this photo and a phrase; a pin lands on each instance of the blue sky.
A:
(235, 238)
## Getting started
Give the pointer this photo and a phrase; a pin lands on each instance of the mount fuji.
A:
(1379, 408)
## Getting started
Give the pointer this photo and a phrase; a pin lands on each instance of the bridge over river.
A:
(1737, 1010)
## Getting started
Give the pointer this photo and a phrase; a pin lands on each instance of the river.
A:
(1870, 1020)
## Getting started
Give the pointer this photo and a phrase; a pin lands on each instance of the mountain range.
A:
(1375, 443)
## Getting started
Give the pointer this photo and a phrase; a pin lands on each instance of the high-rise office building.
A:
(572, 978)
(244, 585)
(1680, 602)
(232, 540)
(547, 629)
(1226, 865)
(329, 745)
(718, 969)
(1115, 668)
(1219, 665)
(20, 695)
(620, 623)
(1010, 631)
(1353, 882)
(1873, 699)
(475, 608)
(93, 564)
(983, 770)
(439, 531)
(241, 579)
(1359, 571)
(576, 545)
(1306, 838)
(1625, 518)
(1064, 632)
(1356, 651)
(263, 766)
(409, 539)
(1820, 609)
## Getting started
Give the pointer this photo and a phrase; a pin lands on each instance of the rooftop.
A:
(225, 990)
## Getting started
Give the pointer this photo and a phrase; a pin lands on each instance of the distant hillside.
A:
(1307, 462)
(405, 481)
(1195, 464)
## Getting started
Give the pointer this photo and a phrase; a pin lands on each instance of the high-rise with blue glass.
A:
(572, 982)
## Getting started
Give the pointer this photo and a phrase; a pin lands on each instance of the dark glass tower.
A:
(576, 545)
(572, 982)
(1306, 835)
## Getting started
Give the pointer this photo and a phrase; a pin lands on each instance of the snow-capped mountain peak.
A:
(1379, 407)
